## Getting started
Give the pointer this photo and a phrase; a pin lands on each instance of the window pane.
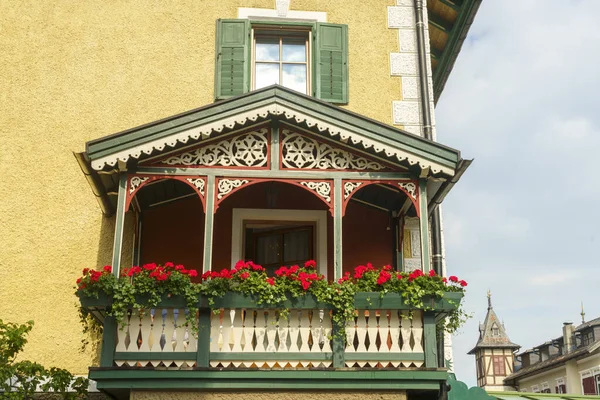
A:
(267, 249)
(294, 77)
(294, 50)
(295, 246)
(266, 74)
(267, 49)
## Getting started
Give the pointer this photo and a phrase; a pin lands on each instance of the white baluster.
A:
(248, 332)
(216, 334)
(271, 333)
(261, 330)
(294, 329)
(304, 331)
(282, 330)
(122, 338)
(327, 327)
(394, 329)
(236, 333)
(417, 332)
(155, 334)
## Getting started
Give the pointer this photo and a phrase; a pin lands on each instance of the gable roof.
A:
(273, 101)
(104, 157)
(486, 337)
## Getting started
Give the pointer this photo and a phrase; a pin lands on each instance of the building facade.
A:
(568, 364)
(311, 125)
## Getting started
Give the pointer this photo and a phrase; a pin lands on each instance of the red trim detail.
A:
(152, 178)
(195, 147)
(392, 183)
(296, 182)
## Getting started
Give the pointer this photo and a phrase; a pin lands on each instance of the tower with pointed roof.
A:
(494, 352)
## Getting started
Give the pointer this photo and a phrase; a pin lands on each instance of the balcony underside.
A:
(119, 382)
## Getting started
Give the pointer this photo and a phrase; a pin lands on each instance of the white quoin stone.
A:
(400, 17)
(402, 64)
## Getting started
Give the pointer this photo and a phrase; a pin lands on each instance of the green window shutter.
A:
(232, 58)
(331, 62)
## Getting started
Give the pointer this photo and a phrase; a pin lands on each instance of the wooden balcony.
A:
(242, 345)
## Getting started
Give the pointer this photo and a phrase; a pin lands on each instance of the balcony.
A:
(241, 344)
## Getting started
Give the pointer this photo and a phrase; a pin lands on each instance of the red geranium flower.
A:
(245, 275)
(193, 273)
(107, 268)
(453, 278)
(310, 264)
(271, 281)
(432, 273)
(462, 283)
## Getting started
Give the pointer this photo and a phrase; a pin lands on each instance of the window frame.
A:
(268, 30)
(318, 217)
(499, 365)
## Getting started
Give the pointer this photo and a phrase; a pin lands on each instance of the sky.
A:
(523, 101)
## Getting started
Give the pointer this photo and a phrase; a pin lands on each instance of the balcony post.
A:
(109, 342)
(430, 339)
(119, 222)
(424, 226)
(337, 228)
(338, 345)
(209, 214)
(203, 348)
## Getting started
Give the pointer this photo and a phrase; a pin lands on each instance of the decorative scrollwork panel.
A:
(250, 150)
(301, 152)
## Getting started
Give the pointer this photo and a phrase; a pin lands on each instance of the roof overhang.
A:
(124, 150)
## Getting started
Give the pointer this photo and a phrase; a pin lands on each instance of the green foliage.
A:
(20, 379)
(142, 288)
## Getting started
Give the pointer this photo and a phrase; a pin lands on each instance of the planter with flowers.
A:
(248, 286)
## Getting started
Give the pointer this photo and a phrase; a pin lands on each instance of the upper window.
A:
(281, 58)
(499, 365)
(311, 58)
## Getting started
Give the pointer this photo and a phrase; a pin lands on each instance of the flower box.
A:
(394, 301)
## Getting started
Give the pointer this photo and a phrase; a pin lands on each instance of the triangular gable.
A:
(251, 149)
(217, 119)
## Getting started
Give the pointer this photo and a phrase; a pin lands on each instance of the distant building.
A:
(494, 353)
(567, 364)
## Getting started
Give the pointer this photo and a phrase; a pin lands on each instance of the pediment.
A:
(253, 148)
(217, 121)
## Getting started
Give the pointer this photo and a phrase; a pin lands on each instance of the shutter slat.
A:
(232, 69)
(331, 61)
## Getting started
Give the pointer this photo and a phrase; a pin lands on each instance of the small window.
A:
(495, 331)
(499, 365)
(535, 389)
(311, 58)
(588, 338)
(545, 387)
(277, 243)
(282, 58)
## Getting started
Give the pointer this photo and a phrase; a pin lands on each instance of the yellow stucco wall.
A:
(73, 71)
(295, 395)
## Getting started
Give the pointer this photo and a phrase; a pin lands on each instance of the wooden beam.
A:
(440, 23)
(208, 223)
(424, 226)
(119, 222)
(337, 228)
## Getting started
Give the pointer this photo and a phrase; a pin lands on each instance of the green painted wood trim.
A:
(203, 352)
(216, 356)
(338, 345)
(337, 229)
(385, 356)
(424, 226)
(209, 222)
(155, 356)
(239, 300)
(287, 174)
(329, 113)
(119, 221)
(440, 74)
(394, 301)
(430, 340)
(314, 374)
(109, 342)
(267, 384)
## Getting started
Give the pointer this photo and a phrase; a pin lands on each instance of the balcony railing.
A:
(238, 334)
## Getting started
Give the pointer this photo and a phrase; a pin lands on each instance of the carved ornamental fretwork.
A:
(198, 184)
(302, 152)
(323, 189)
(135, 183)
(225, 186)
(350, 187)
(247, 150)
(410, 188)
